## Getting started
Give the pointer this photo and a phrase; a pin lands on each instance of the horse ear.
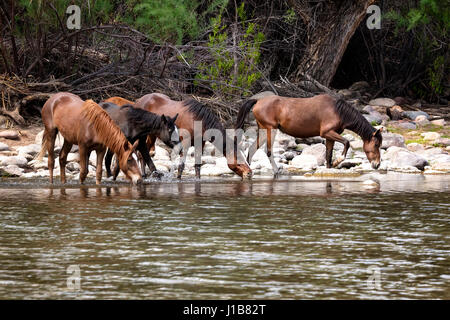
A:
(125, 145)
(175, 118)
(135, 144)
(378, 132)
(163, 118)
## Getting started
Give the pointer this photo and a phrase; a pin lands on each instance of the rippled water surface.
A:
(220, 239)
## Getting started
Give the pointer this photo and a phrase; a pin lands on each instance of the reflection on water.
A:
(220, 239)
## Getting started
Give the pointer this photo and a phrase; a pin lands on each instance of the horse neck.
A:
(149, 124)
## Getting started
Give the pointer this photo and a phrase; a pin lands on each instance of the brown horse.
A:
(190, 111)
(86, 124)
(307, 117)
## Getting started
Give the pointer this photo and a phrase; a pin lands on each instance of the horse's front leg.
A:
(270, 140)
(329, 153)
(183, 154)
(334, 136)
(150, 141)
(108, 159)
(255, 145)
(142, 147)
(100, 155)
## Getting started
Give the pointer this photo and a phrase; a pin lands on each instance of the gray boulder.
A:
(4, 147)
(19, 161)
(392, 139)
(9, 134)
(318, 151)
(31, 149)
(414, 114)
(384, 102)
(403, 158)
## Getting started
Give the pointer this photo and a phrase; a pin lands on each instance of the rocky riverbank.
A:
(420, 150)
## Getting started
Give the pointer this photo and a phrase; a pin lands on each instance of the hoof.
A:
(157, 174)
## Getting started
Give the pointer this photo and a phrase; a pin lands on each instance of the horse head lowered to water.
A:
(87, 125)
(307, 117)
(137, 124)
(189, 111)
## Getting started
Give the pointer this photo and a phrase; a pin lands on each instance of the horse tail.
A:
(242, 114)
(44, 145)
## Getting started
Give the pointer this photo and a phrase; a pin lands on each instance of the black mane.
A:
(204, 114)
(353, 120)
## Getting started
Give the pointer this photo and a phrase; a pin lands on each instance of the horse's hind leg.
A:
(50, 142)
(63, 159)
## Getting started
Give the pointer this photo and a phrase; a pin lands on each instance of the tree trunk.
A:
(330, 24)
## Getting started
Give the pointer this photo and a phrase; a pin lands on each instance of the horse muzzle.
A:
(136, 181)
(375, 165)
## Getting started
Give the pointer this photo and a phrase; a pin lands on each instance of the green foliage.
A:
(430, 22)
(290, 16)
(231, 72)
(165, 21)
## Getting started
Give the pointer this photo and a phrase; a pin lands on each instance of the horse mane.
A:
(142, 118)
(204, 114)
(119, 101)
(107, 131)
(353, 120)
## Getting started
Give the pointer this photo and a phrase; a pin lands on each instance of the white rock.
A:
(402, 158)
(318, 151)
(430, 136)
(4, 147)
(19, 161)
(445, 166)
(31, 149)
(422, 120)
(305, 161)
(73, 157)
(413, 147)
(356, 144)
(161, 154)
(13, 170)
(384, 102)
(9, 134)
(73, 166)
(440, 122)
(392, 139)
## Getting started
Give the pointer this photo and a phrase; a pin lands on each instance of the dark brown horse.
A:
(190, 111)
(137, 124)
(307, 117)
(87, 125)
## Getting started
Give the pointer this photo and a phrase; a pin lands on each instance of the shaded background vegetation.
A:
(218, 50)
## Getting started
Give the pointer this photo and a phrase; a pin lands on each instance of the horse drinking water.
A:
(137, 124)
(190, 111)
(307, 117)
(87, 125)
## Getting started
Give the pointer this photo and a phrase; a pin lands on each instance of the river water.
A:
(227, 239)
